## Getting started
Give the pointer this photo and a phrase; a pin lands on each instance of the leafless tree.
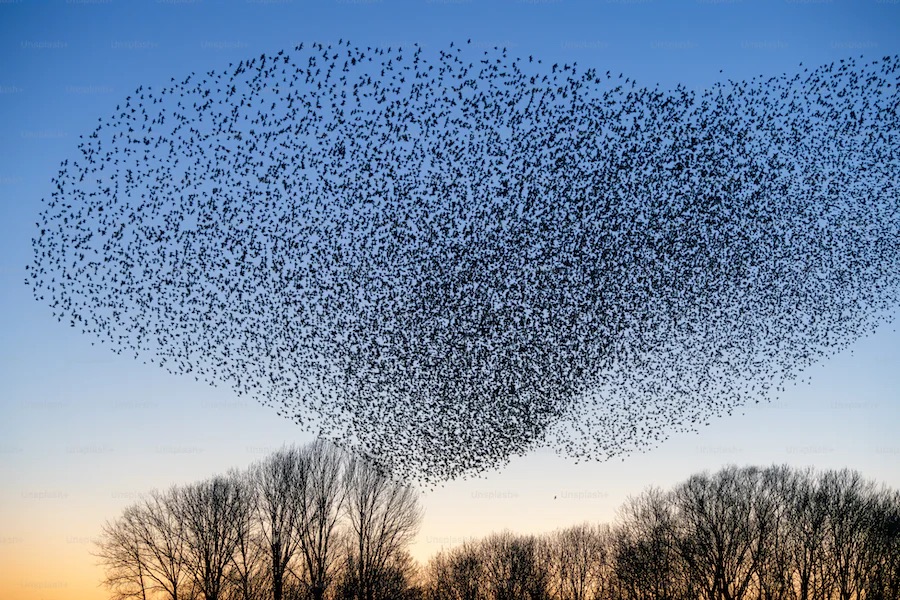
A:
(772, 522)
(212, 514)
(457, 574)
(646, 558)
(161, 536)
(580, 562)
(716, 534)
(884, 581)
(514, 567)
(120, 551)
(277, 481)
(848, 531)
(739, 534)
(320, 499)
(246, 574)
(383, 516)
(807, 505)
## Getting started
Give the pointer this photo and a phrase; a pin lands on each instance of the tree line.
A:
(747, 533)
(316, 523)
(310, 522)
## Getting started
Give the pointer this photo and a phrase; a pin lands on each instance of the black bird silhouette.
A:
(451, 260)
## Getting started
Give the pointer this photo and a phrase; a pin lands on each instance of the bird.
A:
(446, 260)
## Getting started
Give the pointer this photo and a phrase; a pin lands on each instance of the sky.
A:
(84, 432)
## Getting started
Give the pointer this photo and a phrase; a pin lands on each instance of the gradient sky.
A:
(83, 431)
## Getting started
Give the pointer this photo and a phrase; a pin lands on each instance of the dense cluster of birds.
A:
(447, 260)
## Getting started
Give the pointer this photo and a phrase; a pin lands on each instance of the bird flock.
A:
(451, 259)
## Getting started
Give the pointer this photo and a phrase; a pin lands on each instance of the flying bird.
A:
(448, 260)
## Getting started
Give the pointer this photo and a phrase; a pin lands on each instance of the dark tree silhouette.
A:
(125, 559)
(646, 560)
(212, 514)
(515, 567)
(383, 516)
(320, 499)
(279, 481)
(742, 533)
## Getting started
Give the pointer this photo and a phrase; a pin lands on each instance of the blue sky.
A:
(83, 431)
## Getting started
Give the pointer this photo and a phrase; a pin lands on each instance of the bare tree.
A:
(245, 574)
(514, 567)
(806, 534)
(277, 480)
(884, 581)
(457, 574)
(739, 534)
(120, 551)
(161, 536)
(580, 562)
(320, 499)
(646, 557)
(849, 531)
(772, 521)
(212, 514)
(716, 537)
(383, 516)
